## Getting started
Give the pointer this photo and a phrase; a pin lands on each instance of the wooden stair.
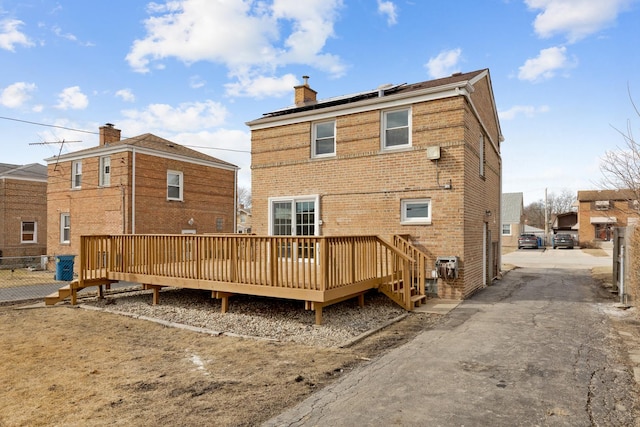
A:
(68, 290)
(61, 294)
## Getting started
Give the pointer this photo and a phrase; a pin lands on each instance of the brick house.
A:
(417, 160)
(512, 218)
(600, 211)
(23, 210)
(140, 185)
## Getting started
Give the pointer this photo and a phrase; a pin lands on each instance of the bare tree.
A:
(244, 197)
(556, 204)
(621, 168)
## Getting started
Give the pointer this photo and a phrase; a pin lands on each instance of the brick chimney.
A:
(109, 134)
(304, 94)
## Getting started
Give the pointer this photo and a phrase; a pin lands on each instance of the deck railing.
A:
(316, 269)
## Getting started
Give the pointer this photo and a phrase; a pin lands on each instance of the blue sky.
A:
(194, 71)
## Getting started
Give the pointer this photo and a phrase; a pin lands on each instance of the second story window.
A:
(29, 232)
(396, 129)
(174, 185)
(324, 139)
(105, 171)
(76, 174)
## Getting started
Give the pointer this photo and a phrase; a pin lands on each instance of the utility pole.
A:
(546, 217)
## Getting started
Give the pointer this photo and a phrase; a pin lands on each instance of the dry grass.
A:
(26, 277)
(597, 252)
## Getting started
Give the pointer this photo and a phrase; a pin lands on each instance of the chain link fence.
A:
(25, 278)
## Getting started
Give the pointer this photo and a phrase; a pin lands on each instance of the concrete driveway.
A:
(537, 348)
(559, 258)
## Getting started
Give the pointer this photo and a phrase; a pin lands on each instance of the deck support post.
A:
(224, 297)
(318, 309)
(100, 292)
(156, 292)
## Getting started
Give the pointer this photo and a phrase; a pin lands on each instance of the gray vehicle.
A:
(563, 241)
(527, 241)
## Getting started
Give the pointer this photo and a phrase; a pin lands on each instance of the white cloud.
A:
(165, 118)
(15, 95)
(575, 18)
(10, 35)
(196, 82)
(72, 98)
(545, 65)
(126, 95)
(251, 39)
(262, 87)
(445, 64)
(526, 110)
(388, 8)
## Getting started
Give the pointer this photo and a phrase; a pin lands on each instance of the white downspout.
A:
(235, 201)
(133, 193)
(621, 291)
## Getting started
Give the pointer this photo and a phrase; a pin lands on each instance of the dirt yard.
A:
(74, 367)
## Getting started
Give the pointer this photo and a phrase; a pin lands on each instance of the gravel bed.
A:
(267, 318)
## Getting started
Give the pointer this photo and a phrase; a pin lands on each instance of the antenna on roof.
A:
(54, 142)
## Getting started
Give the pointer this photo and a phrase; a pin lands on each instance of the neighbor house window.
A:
(602, 205)
(29, 232)
(65, 228)
(174, 185)
(324, 139)
(481, 154)
(416, 211)
(105, 171)
(396, 128)
(76, 174)
(506, 229)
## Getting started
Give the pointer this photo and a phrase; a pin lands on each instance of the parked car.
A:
(563, 241)
(527, 241)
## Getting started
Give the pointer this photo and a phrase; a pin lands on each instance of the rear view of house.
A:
(420, 162)
(23, 211)
(139, 185)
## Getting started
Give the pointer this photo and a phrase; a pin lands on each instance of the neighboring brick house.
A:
(23, 210)
(599, 211)
(566, 223)
(420, 160)
(140, 185)
(512, 219)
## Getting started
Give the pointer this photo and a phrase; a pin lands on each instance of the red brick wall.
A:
(208, 196)
(20, 201)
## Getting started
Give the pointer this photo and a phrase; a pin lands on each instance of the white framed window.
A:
(105, 171)
(415, 211)
(481, 154)
(76, 174)
(294, 216)
(396, 129)
(506, 229)
(175, 185)
(602, 205)
(324, 139)
(29, 232)
(65, 228)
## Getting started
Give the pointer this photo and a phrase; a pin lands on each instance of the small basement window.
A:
(416, 211)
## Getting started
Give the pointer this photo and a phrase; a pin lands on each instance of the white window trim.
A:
(74, 174)
(510, 233)
(62, 228)
(481, 154)
(413, 221)
(35, 232)
(293, 199)
(314, 138)
(105, 177)
(181, 186)
(383, 128)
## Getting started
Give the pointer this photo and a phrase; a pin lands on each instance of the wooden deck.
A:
(317, 270)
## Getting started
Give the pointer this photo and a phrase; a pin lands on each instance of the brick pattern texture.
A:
(22, 200)
(208, 199)
(362, 186)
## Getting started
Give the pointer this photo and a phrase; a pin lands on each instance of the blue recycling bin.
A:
(64, 267)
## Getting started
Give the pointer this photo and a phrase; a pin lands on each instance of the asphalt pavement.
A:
(535, 348)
